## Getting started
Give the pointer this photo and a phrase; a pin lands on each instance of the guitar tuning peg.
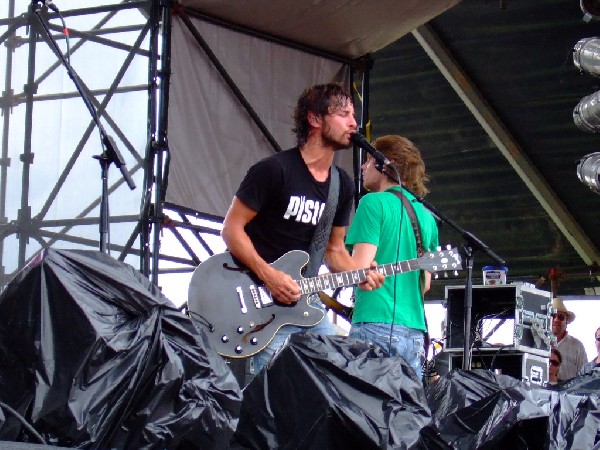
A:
(448, 246)
(455, 273)
(438, 248)
(435, 276)
(445, 274)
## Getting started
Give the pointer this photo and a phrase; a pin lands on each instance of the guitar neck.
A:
(351, 277)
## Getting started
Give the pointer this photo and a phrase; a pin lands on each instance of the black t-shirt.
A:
(288, 202)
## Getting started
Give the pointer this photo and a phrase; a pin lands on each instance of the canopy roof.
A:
(348, 28)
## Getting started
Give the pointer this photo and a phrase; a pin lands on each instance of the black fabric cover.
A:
(332, 392)
(481, 410)
(94, 356)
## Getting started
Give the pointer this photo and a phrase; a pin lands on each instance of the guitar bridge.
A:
(240, 294)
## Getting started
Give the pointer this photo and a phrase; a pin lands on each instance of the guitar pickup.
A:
(254, 294)
(264, 296)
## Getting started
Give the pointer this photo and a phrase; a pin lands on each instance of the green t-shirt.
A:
(378, 219)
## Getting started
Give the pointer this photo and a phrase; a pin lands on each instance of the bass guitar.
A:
(242, 317)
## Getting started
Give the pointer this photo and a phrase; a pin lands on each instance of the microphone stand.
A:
(110, 152)
(472, 244)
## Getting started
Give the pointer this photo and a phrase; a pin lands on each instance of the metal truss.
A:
(30, 226)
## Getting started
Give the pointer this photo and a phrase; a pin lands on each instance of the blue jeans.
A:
(261, 359)
(406, 342)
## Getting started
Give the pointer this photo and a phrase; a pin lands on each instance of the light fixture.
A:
(591, 9)
(586, 114)
(586, 55)
(588, 171)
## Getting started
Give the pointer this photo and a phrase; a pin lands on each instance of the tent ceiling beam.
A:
(506, 143)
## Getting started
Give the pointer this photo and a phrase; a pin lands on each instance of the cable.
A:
(48, 4)
(24, 422)
(402, 210)
(53, 7)
(199, 318)
(496, 354)
(495, 328)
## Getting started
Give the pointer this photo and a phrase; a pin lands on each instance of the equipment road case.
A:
(521, 365)
(527, 307)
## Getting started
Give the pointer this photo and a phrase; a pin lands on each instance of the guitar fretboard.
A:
(350, 277)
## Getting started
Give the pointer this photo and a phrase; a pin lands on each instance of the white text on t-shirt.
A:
(305, 211)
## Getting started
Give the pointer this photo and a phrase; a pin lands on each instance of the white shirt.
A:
(573, 357)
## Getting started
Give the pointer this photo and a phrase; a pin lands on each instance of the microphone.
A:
(360, 141)
(47, 4)
(51, 6)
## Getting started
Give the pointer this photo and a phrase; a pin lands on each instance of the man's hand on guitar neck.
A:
(373, 279)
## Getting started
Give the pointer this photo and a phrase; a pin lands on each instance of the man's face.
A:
(371, 176)
(598, 341)
(559, 323)
(338, 126)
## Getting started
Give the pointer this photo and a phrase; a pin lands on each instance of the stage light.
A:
(586, 55)
(586, 114)
(591, 9)
(588, 171)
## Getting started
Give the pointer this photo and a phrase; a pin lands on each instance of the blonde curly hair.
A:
(406, 157)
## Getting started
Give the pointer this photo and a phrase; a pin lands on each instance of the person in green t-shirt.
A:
(393, 316)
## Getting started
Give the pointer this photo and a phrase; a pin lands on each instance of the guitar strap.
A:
(420, 252)
(318, 245)
(413, 220)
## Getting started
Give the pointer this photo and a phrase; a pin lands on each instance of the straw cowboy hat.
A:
(559, 306)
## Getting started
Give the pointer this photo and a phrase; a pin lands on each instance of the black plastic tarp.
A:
(324, 392)
(482, 410)
(332, 392)
(93, 356)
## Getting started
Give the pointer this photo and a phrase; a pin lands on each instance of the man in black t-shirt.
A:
(282, 197)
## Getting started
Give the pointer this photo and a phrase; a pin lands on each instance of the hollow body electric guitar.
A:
(241, 315)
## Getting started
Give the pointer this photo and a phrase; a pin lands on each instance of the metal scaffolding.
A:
(65, 212)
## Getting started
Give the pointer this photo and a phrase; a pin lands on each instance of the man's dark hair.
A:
(321, 99)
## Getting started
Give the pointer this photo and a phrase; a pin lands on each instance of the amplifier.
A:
(517, 364)
(524, 308)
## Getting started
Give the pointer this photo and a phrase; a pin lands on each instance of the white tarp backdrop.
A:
(212, 139)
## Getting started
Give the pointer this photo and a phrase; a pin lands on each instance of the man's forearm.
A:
(339, 261)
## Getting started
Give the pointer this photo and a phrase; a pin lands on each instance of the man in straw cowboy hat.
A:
(571, 349)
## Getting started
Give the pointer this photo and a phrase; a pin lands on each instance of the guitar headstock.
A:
(448, 260)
